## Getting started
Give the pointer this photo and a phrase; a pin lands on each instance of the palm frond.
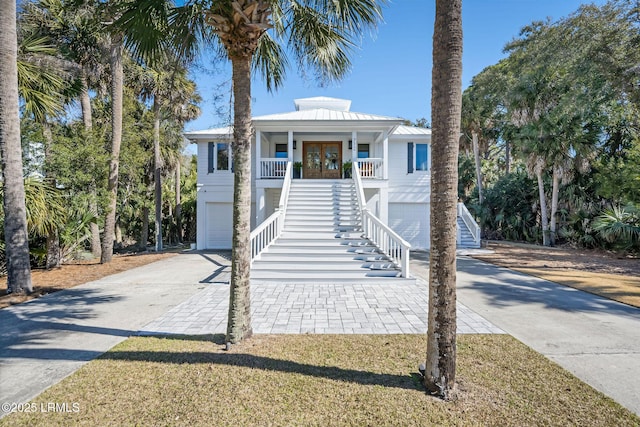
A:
(271, 62)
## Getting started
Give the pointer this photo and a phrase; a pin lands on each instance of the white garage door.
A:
(219, 225)
(411, 221)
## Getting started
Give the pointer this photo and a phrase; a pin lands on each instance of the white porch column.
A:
(385, 157)
(260, 205)
(290, 146)
(201, 220)
(258, 155)
(383, 207)
(354, 146)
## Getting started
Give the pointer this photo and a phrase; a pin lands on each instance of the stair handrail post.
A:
(380, 233)
(271, 228)
(471, 224)
(286, 187)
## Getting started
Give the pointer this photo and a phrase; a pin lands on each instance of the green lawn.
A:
(320, 380)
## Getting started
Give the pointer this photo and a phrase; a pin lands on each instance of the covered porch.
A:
(321, 155)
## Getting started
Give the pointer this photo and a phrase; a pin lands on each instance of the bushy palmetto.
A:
(620, 227)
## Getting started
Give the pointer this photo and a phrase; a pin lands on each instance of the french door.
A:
(322, 160)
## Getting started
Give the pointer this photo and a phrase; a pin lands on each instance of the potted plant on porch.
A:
(297, 170)
(347, 169)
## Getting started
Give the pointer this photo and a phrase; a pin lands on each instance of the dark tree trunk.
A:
(116, 139)
(446, 102)
(87, 120)
(16, 236)
(144, 233)
(478, 162)
(157, 167)
(179, 234)
(239, 322)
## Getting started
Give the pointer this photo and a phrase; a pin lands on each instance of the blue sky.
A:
(391, 73)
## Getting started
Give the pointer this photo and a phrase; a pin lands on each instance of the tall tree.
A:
(115, 61)
(320, 35)
(173, 96)
(15, 226)
(78, 37)
(446, 104)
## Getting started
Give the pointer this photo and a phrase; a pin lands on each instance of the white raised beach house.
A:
(364, 182)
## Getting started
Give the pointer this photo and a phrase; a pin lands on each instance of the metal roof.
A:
(411, 130)
(322, 102)
(223, 132)
(323, 114)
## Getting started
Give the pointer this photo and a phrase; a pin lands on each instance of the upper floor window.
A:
(417, 157)
(281, 151)
(422, 157)
(219, 156)
(363, 151)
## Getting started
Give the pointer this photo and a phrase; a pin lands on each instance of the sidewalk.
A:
(596, 339)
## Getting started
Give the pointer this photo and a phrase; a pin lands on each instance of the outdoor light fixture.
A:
(350, 144)
(294, 144)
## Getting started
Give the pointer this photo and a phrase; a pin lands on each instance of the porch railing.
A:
(387, 240)
(371, 168)
(267, 232)
(471, 224)
(273, 168)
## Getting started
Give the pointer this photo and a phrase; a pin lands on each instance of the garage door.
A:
(219, 225)
(411, 221)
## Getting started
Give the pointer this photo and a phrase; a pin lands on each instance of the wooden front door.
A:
(322, 160)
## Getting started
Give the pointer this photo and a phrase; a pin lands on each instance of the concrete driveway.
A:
(46, 339)
(596, 339)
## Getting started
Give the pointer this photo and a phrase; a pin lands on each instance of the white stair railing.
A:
(387, 240)
(471, 224)
(269, 230)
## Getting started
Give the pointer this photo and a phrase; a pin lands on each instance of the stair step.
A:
(303, 264)
(328, 256)
(321, 275)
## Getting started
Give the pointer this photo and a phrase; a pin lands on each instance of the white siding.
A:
(272, 200)
(406, 187)
(411, 222)
(219, 223)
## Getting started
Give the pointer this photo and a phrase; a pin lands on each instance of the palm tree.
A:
(320, 34)
(173, 95)
(15, 226)
(446, 102)
(79, 39)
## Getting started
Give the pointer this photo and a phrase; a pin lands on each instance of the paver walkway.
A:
(317, 308)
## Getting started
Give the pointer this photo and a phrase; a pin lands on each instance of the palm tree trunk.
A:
(446, 101)
(476, 156)
(178, 203)
(239, 322)
(116, 139)
(555, 189)
(543, 208)
(16, 236)
(157, 166)
(87, 120)
(144, 233)
(85, 102)
(507, 157)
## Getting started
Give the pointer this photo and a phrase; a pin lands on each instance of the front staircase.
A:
(321, 239)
